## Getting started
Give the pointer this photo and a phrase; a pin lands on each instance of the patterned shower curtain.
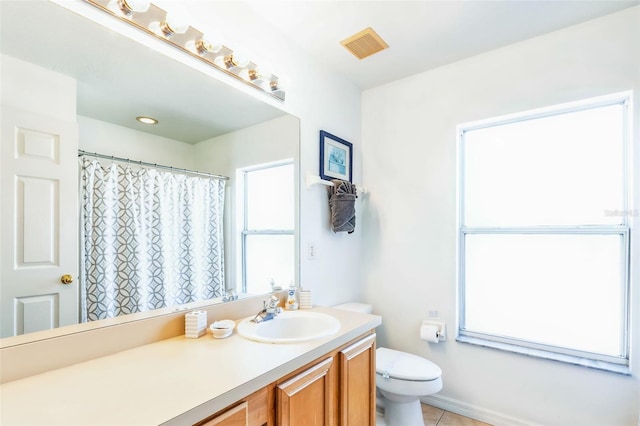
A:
(150, 239)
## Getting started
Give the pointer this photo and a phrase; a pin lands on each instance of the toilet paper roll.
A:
(429, 333)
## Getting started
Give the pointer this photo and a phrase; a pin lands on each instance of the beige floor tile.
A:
(450, 419)
(431, 415)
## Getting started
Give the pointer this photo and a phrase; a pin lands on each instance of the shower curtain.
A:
(149, 239)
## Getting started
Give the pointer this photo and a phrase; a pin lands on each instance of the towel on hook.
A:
(342, 203)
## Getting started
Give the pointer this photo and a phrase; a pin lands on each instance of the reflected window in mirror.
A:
(267, 237)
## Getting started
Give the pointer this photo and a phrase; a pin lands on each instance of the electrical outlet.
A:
(311, 251)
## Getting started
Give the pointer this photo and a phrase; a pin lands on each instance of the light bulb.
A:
(257, 75)
(220, 61)
(264, 74)
(177, 22)
(174, 23)
(249, 74)
(230, 61)
(138, 5)
(203, 45)
(239, 60)
(127, 7)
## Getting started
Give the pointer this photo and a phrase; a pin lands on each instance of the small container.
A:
(222, 329)
(305, 299)
(292, 300)
(195, 324)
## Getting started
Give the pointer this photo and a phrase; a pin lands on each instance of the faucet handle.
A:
(229, 295)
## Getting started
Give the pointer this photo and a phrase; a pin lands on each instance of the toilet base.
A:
(402, 413)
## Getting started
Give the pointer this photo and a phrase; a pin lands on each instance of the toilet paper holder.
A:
(440, 325)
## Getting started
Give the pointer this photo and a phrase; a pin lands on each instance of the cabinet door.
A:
(262, 406)
(237, 416)
(358, 383)
(304, 400)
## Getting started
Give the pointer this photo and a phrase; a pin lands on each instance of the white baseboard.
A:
(473, 411)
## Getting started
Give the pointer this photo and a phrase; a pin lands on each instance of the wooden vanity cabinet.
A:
(255, 410)
(358, 382)
(337, 389)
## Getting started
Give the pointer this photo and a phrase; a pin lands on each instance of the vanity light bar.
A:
(156, 22)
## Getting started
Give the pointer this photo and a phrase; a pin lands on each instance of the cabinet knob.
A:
(66, 279)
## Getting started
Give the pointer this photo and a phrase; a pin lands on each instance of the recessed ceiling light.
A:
(147, 120)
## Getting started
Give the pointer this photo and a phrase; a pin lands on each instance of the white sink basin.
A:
(290, 327)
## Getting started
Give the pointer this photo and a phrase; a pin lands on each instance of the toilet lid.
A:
(404, 366)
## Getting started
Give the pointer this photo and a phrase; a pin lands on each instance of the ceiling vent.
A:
(365, 43)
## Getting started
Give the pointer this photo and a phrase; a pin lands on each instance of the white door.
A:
(38, 222)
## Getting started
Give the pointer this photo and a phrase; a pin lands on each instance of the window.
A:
(544, 234)
(268, 232)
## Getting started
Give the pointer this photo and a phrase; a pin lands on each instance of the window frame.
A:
(245, 232)
(568, 355)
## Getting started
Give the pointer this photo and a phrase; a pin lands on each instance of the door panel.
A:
(37, 235)
(38, 222)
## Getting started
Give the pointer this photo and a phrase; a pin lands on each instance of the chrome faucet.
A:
(269, 310)
(229, 296)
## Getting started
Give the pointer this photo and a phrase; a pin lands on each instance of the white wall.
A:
(110, 139)
(409, 161)
(271, 140)
(36, 89)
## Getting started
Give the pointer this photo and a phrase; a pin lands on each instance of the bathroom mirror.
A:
(119, 79)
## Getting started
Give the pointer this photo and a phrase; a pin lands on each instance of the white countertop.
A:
(176, 381)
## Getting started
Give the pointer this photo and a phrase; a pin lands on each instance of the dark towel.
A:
(342, 203)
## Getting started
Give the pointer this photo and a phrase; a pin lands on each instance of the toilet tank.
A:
(355, 307)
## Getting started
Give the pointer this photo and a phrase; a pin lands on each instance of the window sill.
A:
(538, 353)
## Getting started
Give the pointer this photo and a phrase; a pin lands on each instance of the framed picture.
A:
(336, 157)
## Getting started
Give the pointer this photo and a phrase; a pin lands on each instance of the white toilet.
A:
(401, 379)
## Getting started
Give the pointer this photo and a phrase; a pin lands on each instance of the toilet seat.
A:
(392, 364)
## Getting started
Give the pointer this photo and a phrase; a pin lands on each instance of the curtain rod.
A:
(142, 163)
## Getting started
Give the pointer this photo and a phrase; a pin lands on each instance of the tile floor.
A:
(437, 417)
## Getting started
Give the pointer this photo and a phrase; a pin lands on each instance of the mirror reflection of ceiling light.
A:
(173, 28)
(146, 120)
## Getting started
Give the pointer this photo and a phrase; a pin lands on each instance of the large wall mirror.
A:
(204, 125)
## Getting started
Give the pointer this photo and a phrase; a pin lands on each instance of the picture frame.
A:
(336, 157)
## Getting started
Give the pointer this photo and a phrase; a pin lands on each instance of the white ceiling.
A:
(421, 34)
